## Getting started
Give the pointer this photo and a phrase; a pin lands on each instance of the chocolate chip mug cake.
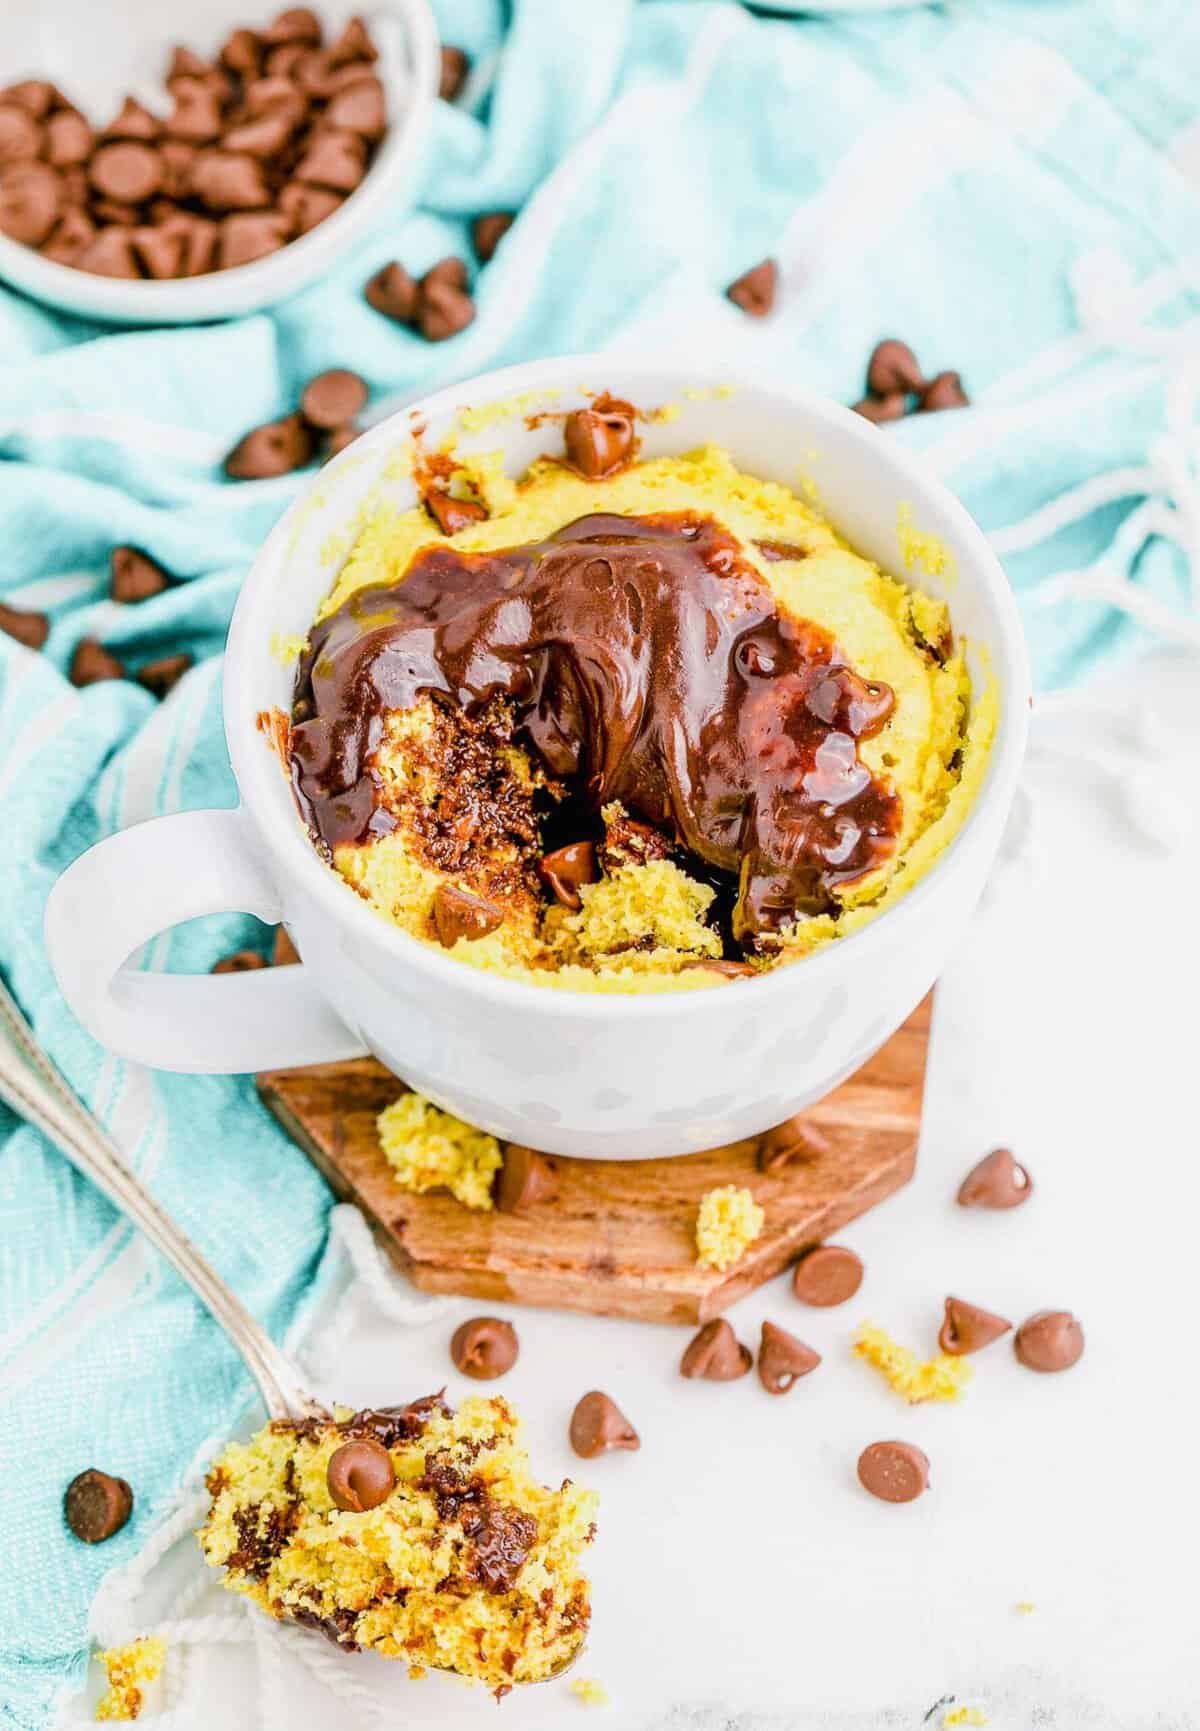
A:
(627, 724)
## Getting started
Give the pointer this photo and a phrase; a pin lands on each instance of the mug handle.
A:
(132, 886)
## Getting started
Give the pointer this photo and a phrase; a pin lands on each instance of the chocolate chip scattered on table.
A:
(598, 1426)
(97, 1505)
(525, 1179)
(253, 148)
(755, 290)
(716, 1354)
(828, 1275)
(438, 304)
(485, 1347)
(897, 386)
(25, 624)
(969, 1328)
(895, 1472)
(454, 68)
(1049, 1341)
(997, 1181)
(324, 422)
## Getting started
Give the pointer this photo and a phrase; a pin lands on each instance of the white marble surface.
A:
(742, 1578)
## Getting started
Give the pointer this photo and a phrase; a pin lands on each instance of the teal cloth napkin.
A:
(1011, 185)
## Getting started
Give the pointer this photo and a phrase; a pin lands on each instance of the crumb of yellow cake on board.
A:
(940, 1378)
(590, 1692)
(129, 1669)
(1024, 1607)
(444, 1552)
(963, 1716)
(728, 1223)
(428, 1149)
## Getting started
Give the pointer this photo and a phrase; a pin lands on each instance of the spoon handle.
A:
(38, 1092)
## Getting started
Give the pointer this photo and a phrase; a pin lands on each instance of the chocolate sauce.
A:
(646, 661)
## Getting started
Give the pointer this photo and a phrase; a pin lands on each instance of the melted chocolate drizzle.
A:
(648, 662)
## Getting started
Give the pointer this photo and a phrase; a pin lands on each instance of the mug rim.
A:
(291, 848)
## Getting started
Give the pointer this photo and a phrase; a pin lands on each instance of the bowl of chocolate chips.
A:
(163, 166)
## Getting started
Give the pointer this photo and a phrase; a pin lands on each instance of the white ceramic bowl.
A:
(99, 53)
(611, 1077)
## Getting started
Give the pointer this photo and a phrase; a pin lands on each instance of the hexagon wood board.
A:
(617, 1238)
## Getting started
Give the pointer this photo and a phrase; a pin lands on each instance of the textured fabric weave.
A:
(1011, 185)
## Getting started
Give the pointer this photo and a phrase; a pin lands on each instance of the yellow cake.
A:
(649, 922)
(466, 1564)
(728, 1222)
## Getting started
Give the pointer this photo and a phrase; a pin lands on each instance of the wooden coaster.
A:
(617, 1238)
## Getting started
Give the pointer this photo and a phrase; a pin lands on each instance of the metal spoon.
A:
(39, 1093)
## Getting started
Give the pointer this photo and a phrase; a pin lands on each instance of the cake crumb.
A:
(590, 1692)
(128, 1669)
(729, 1220)
(287, 647)
(429, 1149)
(964, 1716)
(1025, 1607)
(940, 1378)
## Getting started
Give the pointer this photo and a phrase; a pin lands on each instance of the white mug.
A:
(594, 1075)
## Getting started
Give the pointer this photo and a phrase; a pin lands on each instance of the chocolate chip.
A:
(161, 676)
(306, 206)
(883, 409)
(316, 74)
(452, 514)
(264, 135)
(488, 231)
(200, 235)
(110, 253)
(284, 953)
(451, 271)
(484, 1348)
(29, 628)
(274, 96)
(599, 442)
(998, 1181)
(755, 291)
(134, 575)
(30, 201)
(792, 1143)
(598, 1425)
(20, 134)
(967, 1328)
(339, 438)
(892, 369)
(1049, 1340)
(360, 1475)
(226, 180)
(284, 61)
(945, 391)
(783, 1360)
(337, 160)
(248, 235)
(566, 869)
(97, 1505)
(196, 117)
(158, 251)
(731, 970)
(525, 1179)
(394, 293)
(895, 1472)
(134, 121)
(443, 309)
(69, 139)
(126, 171)
(332, 398)
(360, 107)
(716, 1354)
(72, 235)
(296, 24)
(35, 95)
(242, 52)
(455, 67)
(74, 188)
(354, 43)
(186, 63)
(458, 914)
(828, 1275)
(91, 663)
(274, 449)
(114, 211)
(240, 962)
